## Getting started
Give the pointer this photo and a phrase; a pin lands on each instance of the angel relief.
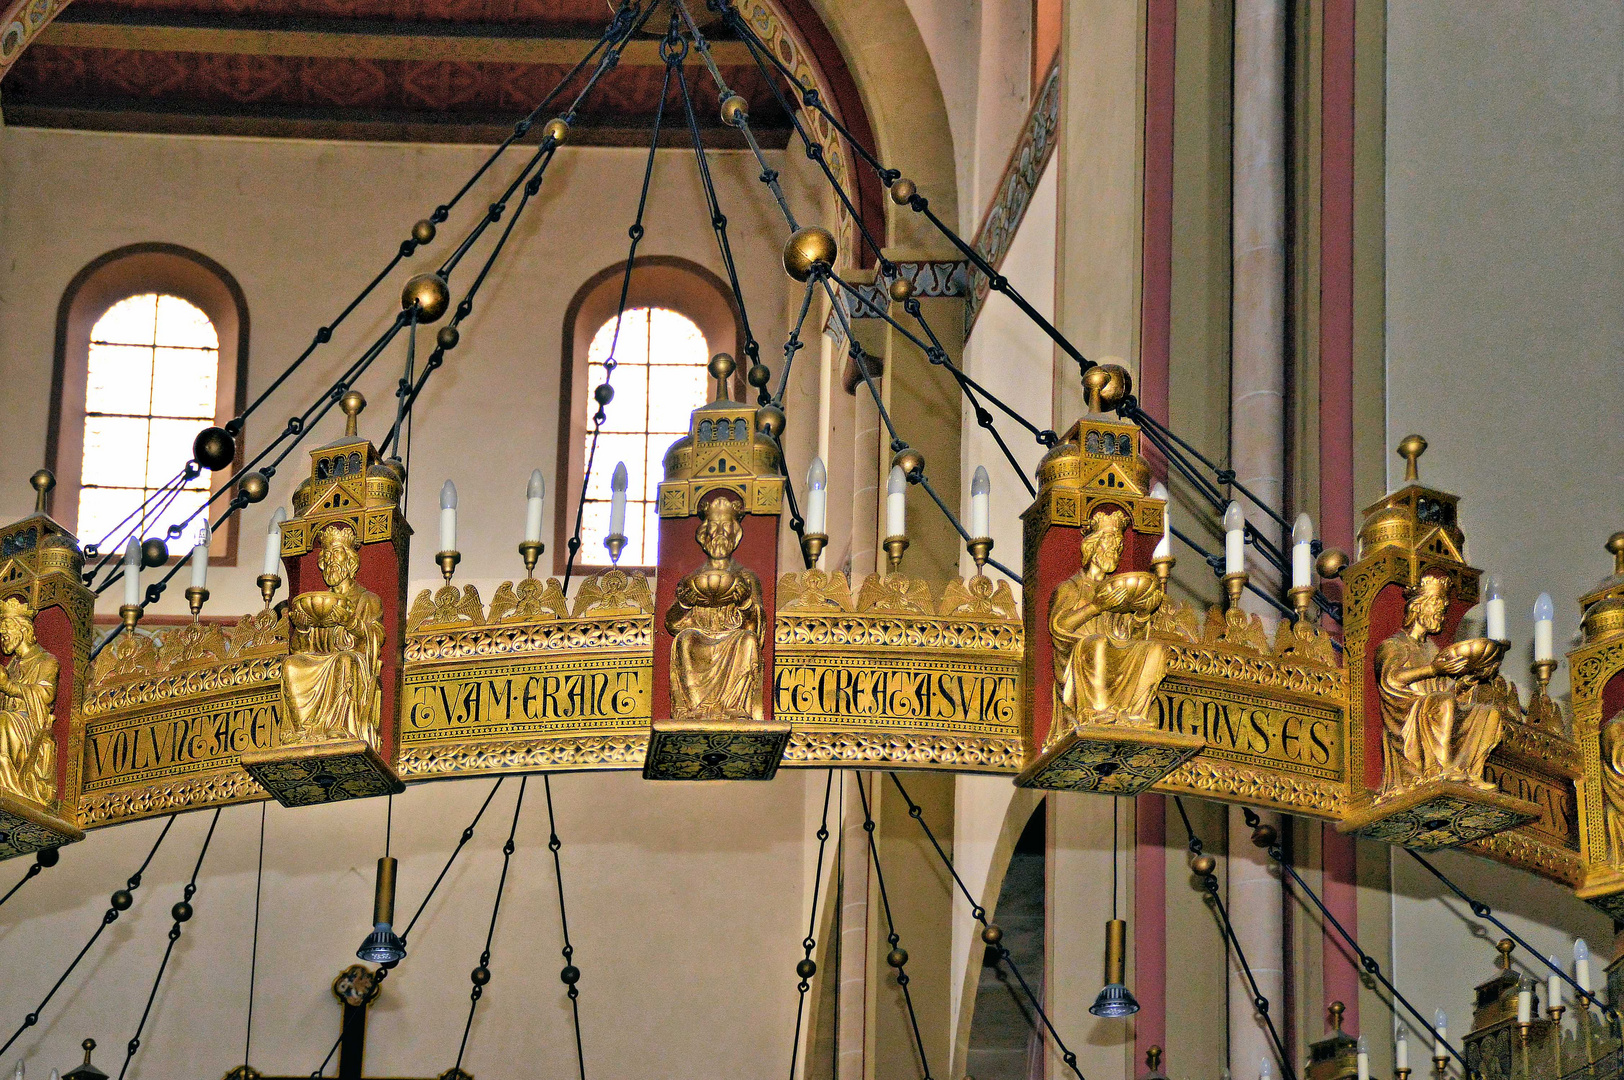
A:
(717, 626)
(1106, 667)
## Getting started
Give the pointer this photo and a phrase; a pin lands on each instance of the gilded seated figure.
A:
(330, 678)
(1106, 670)
(27, 697)
(1433, 730)
(717, 626)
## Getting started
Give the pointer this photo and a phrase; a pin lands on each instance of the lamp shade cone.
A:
(1115, 999)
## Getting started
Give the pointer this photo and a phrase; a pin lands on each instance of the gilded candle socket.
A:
(979, 548)
(531, 552)
(616, 543)
(894, 547)
(268, 584)
(1302, 602)
(196, 597)
(1235, 587)
(812, 545)
(130, 614)
(448, 561)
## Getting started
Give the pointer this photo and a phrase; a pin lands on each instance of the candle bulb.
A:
(1440, 1034)
(273, 543)
(980, 504)
(1164, 546)
(817, 497)
(896, 505)
(1581, 964)
(1264, 1071)
(1494, 607)
(1401, 1051)
(200, 558)
(132, 573)
(617, 500)
(1302, 553)
(1553, 988)
(1363, 1050)
(448, 516)
(1544, 628)
(534, 492)
(1525, 1003)
(1234, 539)
(19, 1073)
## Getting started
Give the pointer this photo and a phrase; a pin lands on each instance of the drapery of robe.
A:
(1105, 671)
(716, 647)
(330, 687)
(27, 742)
(1431, 733)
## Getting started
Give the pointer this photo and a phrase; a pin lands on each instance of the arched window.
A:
(677, 316)
(151, 341)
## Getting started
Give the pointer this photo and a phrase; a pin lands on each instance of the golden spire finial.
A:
(1335, 1012)
(721, 369)
(1153, 1058)
(1504, 947)
(87, 1046)
(1615, 544)
(44, 480)
(1410, 449)
(352, 403)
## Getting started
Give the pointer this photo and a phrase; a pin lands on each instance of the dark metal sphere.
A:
(181, 912)
(897, 957)
(447, 338)
(43, 480)
(1203, 865)
(254, 487)
(758, 376)
(721, 366)
(431, 295)
(902, 190)
(214, 448)
(1331, 563)
(909, 460)
(806, 248)
(901, 289)
(735, 110)
(1106, 386)
(806, 969)
(122, 900)
(570, 975)
(480, 975)
(992, 933)
(154, 552)
(1264, 836)
(47, 857)
(770, 419)
(603, 394)
(423, 231)
(556, 130)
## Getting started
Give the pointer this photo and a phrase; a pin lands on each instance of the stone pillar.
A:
(852, 1037)
(1257, 911)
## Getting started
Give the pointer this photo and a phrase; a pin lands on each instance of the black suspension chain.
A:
(897, 958)
(182, 913)
(120, 902)
(807, 967)
(44, 859)
(253, 958)
(481, 975)
(992, 935)
(1260, 1003)
(570, 975)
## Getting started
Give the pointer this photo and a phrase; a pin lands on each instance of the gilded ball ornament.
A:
(254, 487)
(1106, 386)
(44, 480)
(1331, 563)
(214, 448)
(154, 552)
(122, 900)
(897, 957)
(557, 129)
(992, 933)
(1412, 446)
(181, 912)
(806, 248)
(431, 295)
(447, 338)
(806, 969)
(1615, 543)
(770, 419)
(902, 190)
(721, 366)
(900, 289)
(1203, 865)
(423, 231)
(1264, 836)
(735, 110)
(758, 376)
(910, 461)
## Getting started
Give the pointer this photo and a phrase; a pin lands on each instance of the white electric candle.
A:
(448, 516)
(534, 493)
(1264, 1071)
(132, 572)
(19, 1074)
(1164, 546)
(200, 559)
(1234, 539)
(1553, 988)
(896, 503)
(617, 500)
(1581, 964)
(1544, 628)
(273, 543)
(1401, 1051)
(1494, 607)
(1302, 553)
(1440, 1034)
(817, 497)
(1363, 1050)
(980, 504)
(1525, 1003)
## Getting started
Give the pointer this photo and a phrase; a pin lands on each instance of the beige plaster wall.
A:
(1505, 299)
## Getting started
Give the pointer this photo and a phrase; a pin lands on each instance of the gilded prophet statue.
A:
(1106, 670)
(1434, 731)
(330, 678)
(1612, 786)
(717, 625)
(27, 696)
